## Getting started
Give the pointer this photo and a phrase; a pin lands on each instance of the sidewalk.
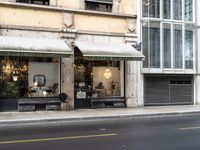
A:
(81, 115)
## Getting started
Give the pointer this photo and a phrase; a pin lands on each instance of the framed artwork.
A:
(40, 79)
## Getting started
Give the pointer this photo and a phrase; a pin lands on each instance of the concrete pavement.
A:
(81, 115)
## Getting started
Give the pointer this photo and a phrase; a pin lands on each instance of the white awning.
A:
(108, 51)
(21, 46)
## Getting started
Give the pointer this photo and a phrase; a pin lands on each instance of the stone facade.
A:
(69, 20)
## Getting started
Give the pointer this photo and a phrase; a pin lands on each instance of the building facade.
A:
(78, 47)
(169, 42)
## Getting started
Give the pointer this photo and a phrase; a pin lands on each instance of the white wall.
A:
(50, 70)
(98, 76)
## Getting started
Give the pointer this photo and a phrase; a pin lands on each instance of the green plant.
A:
(9, 90)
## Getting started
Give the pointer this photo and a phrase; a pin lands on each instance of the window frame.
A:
(97, 3)
(34, 2)
(170, 21)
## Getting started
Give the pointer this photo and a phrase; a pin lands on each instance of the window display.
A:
(28, 77)
(98, 79)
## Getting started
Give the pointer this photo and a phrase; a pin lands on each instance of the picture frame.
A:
(40, 79)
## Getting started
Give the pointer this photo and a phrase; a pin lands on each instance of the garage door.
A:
(168, 90)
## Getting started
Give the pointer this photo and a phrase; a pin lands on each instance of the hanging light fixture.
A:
(15, 75)
(107, 73)
(24, 68)
(8, 67)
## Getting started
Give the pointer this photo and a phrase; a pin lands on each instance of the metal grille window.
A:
(99, 5)
(39, 2)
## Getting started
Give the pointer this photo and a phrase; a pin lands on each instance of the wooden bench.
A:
(108, 102)
(38, 103)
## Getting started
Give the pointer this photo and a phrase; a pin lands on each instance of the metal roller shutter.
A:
(156, 90)
(168, 90)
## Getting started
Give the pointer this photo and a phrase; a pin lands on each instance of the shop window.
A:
(22, 77)
(39, 2)
(104, 5)
(98, 79)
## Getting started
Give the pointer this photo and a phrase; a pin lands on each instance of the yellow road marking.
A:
(189, 128)
(57, 138)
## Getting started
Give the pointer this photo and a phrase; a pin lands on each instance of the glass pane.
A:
(98, 79)
(154, 45)
(167, 45)
(29, 77)
(188, 47)
(145, 6)
(177, 8)
(177, 46)
(188, 10)
(154, 9)
(106, 81)
(39, 2)
(145, 43)
(167, 9)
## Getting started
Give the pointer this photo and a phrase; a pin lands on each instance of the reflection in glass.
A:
(177, 8)
(154, 44)
(188, 10)
(98, 79)
(167, 45)
(154, 9)
(145, 7)
(167, 9)
(188, 47)
(145, 35)
(151, 8)
(178, 46)
(19, 81)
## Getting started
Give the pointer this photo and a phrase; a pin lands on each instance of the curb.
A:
(59, 120)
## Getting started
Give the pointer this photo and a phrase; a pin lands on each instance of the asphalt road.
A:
(175, 133)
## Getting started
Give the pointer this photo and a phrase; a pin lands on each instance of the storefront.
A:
(100, 73)
(30, 69)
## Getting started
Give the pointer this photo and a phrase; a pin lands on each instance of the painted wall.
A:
(119, 6)
(45, 18)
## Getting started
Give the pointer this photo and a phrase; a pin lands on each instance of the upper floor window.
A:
(151, 8)
(39, 2)
(167, 9)
(178, 10)
(188, 10)
(99, 5)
